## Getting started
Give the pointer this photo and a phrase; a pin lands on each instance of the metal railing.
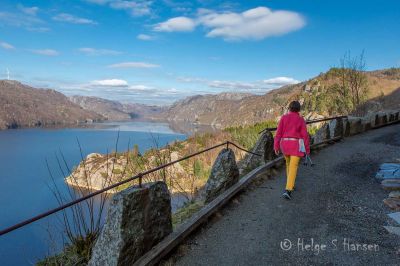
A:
(307, 122)
(139, 177)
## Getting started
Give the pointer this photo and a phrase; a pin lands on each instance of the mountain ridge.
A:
(211, 110)
(22, 105)
(25, 106)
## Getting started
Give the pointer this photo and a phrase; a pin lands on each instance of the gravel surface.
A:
(337, 202)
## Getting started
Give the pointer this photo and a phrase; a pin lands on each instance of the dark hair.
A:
(294, 106)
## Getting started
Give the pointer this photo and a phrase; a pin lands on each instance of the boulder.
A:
(137, 219)
(224, 173)
(336, 128)
(264, 147)
(322, 134)
(391, 184)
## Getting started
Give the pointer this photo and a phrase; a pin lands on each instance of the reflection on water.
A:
(24, 178)
(168, 127)
(162, 128)
(190, 128)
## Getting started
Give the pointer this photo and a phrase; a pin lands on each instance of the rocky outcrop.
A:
(264, 147)
(137, 219)
(224, 173)
(97, 171)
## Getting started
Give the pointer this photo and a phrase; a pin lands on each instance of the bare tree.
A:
(353, 81)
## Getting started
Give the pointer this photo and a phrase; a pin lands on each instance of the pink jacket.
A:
(291, 125)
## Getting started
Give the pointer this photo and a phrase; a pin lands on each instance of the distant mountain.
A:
(142, 111)
(24, 106)
(112, 110)
(21, 105)
(227, 109)
(117, 111)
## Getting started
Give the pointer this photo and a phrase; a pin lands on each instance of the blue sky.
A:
(156, 52)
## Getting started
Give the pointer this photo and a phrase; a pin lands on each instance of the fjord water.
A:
(24, 177)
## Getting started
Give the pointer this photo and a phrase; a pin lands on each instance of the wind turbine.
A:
(8, 74)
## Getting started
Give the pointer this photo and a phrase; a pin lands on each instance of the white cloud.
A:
(180, 24)
(110, 83)
(135, 8)
(140, 87)
(38, 29)
(232, 85)
(258, 86)
(20, 20)
(99, 2)
(47, 52)
(253, 24)
(64, 17)
(32, 11)
(280, 81)
(6, 46)
(145, 37)
(97, 52)
(191, 79)
(133, 65)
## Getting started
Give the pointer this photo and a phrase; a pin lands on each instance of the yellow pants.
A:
(292, 163)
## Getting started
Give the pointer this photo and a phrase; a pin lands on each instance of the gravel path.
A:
(335, 203)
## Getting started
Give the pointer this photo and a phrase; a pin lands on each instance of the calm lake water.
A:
(24, 177)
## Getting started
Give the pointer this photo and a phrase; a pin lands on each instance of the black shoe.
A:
(287, 194)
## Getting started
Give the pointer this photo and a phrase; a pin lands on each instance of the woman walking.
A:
(292, 140)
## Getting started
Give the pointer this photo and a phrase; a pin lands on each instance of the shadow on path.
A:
(337, 203)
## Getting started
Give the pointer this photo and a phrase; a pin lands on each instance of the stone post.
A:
(355, 126)
(138, 218)
(224, 174)
(322, 134)
(366, 124)
(264, 147)
(381, 119)
(336, 128)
